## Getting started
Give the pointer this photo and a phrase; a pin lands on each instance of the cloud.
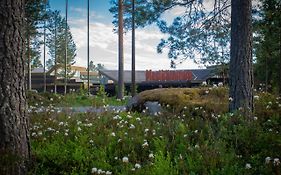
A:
(104, 46)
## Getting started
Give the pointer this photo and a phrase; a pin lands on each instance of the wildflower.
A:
(185, 107)
(137, 166)
(113, 134)
(145, 144)
(125, 159)
(108, 173)
(151, 156)
(168, 105)
(204, 83)
(220, 84)
(197, 146)
(40, 133)
(215, 86)
(267, 160)
(116, 158)
(66, 134)
(207, 92)
(33, 134)
(230, 99)
(94, 170)
(276, 162)
(79, 129)
(185, 135)
(255, 118)
(133, 169)
(138, 119)
(146, 130)
(132, 126)
(248, 166)
(129, 116)
(256, 97)
(100, 171)
(196, 131)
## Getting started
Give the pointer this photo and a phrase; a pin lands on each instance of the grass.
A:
(193, 140)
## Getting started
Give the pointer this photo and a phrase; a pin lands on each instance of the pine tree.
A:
(56, 24)
(267, 44)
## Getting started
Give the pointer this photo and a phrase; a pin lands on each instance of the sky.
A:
(104, 42)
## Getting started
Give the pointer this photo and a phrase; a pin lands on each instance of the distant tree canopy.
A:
(56, 44)
(201, 32)
(34, 19)
(97, 67)
(268, 44)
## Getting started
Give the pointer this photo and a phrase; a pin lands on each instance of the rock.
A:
(153, 107)
(134, 104)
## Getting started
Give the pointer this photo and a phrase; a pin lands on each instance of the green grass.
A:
(72, 100)
(193, 141)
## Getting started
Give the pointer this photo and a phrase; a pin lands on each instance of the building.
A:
(79, 79)
(161, 79)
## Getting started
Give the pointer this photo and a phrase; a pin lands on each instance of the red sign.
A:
(168, 75)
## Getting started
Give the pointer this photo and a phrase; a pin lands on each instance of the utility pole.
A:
(88, 46)
(133, 90)
(44, 51)
(65, 57)
(120, 93)
(55, 82)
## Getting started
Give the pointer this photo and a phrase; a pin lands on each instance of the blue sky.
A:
(104, 43)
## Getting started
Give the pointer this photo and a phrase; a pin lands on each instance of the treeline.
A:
(39, 17)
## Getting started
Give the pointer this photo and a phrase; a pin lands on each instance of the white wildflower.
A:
(248, 166)
(267, 160)
(137, 166)
(108, 173)
(230, 99)
(204, 83)
(145, 144)
(151, 156)
(94, 170)
(113, 134)
(220, 84)
(276, 162)
(125, 159)
(132, 126)
(256, 97)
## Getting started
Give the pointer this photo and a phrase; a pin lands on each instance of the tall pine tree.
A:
(56, 45)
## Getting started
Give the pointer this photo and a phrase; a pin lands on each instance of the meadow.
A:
(192, 139)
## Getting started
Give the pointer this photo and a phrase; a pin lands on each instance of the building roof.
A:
(78, 68)
(113, 75)
(197, 75)
(94, 73)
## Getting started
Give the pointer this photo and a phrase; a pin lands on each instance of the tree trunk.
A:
(14, 136)
(241, 66)
(120, 93)
(133, 91)
(279, 58)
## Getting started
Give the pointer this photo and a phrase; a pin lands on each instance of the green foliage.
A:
(267, 44)
(34, 17)
(199, 30)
